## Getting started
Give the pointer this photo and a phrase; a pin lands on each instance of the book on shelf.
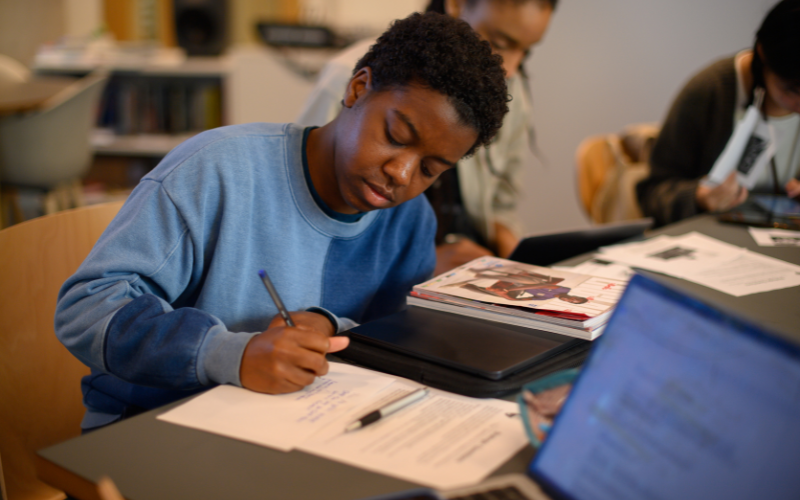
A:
(133, 105)
(542, 298)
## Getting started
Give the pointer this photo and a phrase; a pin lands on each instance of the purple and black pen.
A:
(276, 298)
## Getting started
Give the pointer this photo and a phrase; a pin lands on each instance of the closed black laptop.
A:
(547, 249)
(485, 348)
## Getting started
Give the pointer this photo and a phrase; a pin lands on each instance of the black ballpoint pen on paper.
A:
(276, 298)
(388, 409)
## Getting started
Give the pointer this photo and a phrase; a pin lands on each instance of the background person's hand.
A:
(505, 240)
(793, 188)
(451, 255)
(723, 197)
(285, 359)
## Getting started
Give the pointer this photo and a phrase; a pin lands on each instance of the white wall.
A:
(605, 64)
(358, 16)
(25, 25)
(83, 17)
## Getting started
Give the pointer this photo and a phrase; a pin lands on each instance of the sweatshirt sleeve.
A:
(116, 312)
(697, 127)
(667, 194)
(506, 196)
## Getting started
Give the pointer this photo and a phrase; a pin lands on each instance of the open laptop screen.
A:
(678, 401)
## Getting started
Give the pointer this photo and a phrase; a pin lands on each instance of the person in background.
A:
(476, 203)
(702, 119)
(169, 301)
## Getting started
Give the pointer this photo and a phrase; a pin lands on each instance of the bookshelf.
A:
(151, 105)
(158, 99)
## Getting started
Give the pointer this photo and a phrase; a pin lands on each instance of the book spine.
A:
(548, 316)
(586, 334)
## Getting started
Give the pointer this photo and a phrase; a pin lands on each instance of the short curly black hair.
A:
(446, 55)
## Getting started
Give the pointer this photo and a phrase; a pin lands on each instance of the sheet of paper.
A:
(443, 441)
(280, 421)
(749, 273)
(674, 255)
(709, 262)
(601, 268)
(769, 237)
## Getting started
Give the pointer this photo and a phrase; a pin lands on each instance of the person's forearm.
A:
(139, 338)
(505, 240)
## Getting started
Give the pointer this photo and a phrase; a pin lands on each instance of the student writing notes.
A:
(168, 302)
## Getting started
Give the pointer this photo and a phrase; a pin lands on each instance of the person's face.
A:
(511, 28)
(784, 94)
(392, 145)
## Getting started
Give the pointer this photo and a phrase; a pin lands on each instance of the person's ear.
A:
(360, 84)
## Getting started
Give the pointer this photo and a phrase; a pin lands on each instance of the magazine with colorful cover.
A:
(540, 294)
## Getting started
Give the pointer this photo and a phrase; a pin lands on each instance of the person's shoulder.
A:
(229, 132)
(224, 143)
(712, 78)
(219, 136)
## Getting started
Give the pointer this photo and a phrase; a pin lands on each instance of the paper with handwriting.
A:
(442, 441)
(278, 421)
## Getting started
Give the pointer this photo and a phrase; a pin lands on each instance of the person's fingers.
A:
(293, 374)
(313, 340)
(293, 354)
(793, 188)
(338, 344)
(281, 387)
(276, 361)
(731, 179)
(725, 195)
(743, 194)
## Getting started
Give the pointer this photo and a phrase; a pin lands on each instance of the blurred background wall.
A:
(601, 66)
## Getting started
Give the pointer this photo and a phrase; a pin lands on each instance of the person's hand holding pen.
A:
(287, 358)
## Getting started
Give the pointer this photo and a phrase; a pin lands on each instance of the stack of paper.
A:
(701, 259)
(443, 441)
(510, 292)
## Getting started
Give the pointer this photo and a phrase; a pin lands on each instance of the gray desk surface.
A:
(150, 459)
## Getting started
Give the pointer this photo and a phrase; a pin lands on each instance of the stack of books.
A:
(541, 298)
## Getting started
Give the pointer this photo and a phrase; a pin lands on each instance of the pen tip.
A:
(262, 273)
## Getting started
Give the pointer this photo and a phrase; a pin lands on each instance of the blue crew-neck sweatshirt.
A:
(169, 297)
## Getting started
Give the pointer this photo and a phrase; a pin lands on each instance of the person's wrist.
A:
(324, 312)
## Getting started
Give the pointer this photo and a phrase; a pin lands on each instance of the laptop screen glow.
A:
(678, 401)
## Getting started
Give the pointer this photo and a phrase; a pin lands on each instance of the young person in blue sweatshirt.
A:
(169, 301)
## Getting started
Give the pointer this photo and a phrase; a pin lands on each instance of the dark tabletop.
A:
(151, 459)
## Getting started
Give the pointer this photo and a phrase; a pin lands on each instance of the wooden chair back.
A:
(40, 397)
(608, 169)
